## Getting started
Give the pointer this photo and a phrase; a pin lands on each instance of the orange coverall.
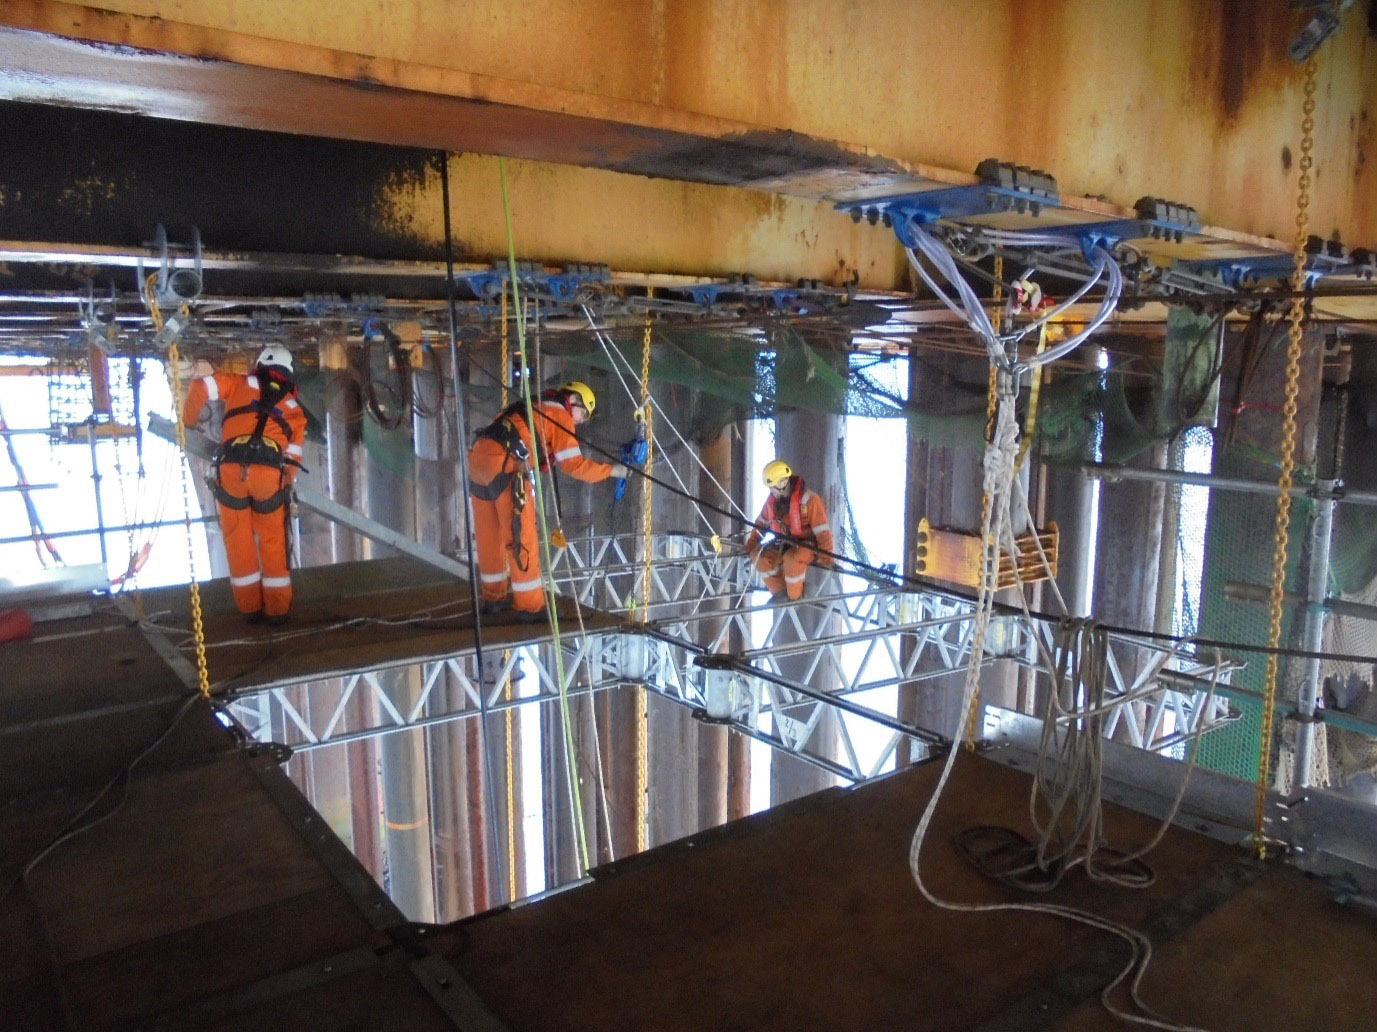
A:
(259, 576)
(508, 553)
(801, 516)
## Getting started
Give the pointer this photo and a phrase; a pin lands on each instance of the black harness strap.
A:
(264, 412)
(226, 499)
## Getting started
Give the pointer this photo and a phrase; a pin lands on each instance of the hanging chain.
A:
(174, 361)
(642, 728)
(991, 406)
(1295, 333)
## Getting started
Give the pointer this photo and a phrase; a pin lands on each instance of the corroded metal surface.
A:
(1196, 102)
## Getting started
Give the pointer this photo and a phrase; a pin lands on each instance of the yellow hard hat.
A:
(586, 396)
(776, 472)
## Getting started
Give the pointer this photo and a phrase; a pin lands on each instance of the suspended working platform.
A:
(345, 616)
(204, 893)
(805, 917)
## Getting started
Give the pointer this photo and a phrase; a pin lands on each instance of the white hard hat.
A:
(275, 355)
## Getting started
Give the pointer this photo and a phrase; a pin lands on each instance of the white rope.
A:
(999, 480)
(612, 356)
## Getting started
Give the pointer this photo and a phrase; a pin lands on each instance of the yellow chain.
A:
(642, 730)
(1295, 331)
(991, 404)
(174, 359)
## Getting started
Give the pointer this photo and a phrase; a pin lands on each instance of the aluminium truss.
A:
(816, 678)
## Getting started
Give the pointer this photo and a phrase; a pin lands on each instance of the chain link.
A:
(198, 630)
(647, 523)
(1295, 332)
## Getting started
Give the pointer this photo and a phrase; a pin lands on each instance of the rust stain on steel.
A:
(1197, 104)
(1240, 52)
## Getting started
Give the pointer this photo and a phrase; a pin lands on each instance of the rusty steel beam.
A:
(1202, 105)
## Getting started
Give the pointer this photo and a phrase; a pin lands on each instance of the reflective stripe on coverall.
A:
(785, 565)
(505, 557)
(259, 574)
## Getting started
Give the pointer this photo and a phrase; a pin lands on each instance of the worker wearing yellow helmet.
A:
(796, 519)
(501, 463)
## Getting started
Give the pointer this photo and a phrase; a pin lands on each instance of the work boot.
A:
(779, 598)
(524, 617)
(256, 617)
(490, 608)
(278, 620)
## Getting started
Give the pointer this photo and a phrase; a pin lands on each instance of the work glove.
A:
(620, 472)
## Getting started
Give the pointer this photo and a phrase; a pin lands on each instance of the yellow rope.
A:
(1295, 331)
(505, 362)
(642, 731)
(511, 782)
(174, 360)
(991, 405)
(547, 566)
(505, 365)
(1030, 421)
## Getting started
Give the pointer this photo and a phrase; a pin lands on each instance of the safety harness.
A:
(795, 516)
(256, 448)
(504, 431)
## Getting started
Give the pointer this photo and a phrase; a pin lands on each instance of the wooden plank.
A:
(76, 756)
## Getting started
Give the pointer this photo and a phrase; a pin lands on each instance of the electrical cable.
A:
(79, 825)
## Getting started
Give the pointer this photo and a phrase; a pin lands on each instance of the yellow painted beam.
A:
(1195, 102)
(1175, 98)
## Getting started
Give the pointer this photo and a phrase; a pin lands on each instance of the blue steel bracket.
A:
(565, 285)
(1003, 187)
(562, 286)
(1157, 219)
(1324, 258)
(706, 294)
(324, 305)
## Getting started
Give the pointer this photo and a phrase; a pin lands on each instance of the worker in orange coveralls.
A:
(504, 520)
(798, 520)
(258, 458)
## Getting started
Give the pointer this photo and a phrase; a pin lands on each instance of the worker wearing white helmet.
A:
(260, 452)
(797, 520)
